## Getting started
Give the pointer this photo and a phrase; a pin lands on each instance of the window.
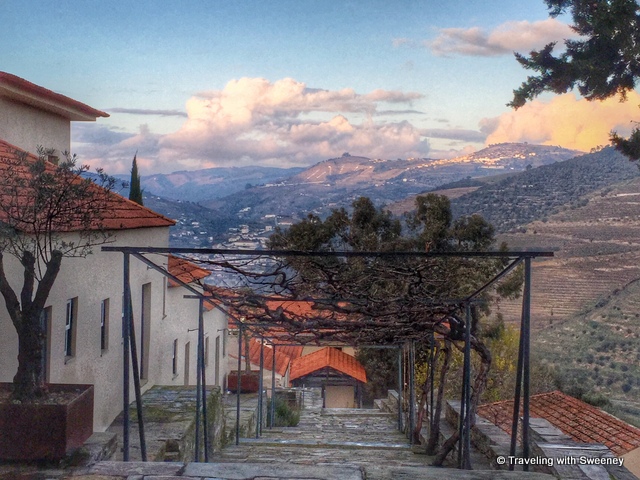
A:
(104, 324)
(70, 327)
(187, 367)
(164, 297)
(174, 358)
(224, 342)
(217, 365)
(206, 352)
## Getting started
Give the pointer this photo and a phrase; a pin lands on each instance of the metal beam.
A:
(346, 254)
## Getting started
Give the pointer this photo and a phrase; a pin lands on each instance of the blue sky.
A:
(197, 84)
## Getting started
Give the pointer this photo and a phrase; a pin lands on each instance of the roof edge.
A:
(24, 91)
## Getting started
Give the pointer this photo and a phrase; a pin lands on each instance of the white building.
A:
(83, 313)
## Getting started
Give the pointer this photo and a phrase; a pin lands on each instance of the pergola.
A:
(281, 331)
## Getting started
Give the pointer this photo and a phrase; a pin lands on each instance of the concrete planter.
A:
(45, 431)
(249, 381)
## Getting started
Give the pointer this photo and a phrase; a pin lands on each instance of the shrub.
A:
(285, 415)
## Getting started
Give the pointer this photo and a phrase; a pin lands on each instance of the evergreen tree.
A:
(135, 192)
(603, 63)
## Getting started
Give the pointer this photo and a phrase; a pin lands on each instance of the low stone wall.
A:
(547, 445)
(169, 420)
(248, 416)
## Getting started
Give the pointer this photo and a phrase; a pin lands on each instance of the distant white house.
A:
(83, 315)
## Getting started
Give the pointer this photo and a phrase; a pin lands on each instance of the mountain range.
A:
(336, 182)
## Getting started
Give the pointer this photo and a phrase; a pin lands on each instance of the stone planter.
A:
(249, 381)
(45, 430)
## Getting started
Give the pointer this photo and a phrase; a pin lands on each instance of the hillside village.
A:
(86, 319)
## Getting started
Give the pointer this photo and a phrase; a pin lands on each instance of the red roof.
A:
(26, 92)
(282, 359)
(186, 271)
(119, 213)
(582, 422)
(328, 357)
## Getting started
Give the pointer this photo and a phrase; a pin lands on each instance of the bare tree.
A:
(48, 211)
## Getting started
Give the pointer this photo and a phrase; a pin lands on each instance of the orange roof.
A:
(582, 422)
(119, 214)
(24, 91)
(282, 360)
(327, 357)
(292, 352)
(186, 271)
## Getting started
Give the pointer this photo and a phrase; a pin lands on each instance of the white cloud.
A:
(521, 36)
(564, 120)
(255, 121)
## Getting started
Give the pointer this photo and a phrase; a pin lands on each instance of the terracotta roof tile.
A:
(27, 92)
(186, 271)
(327, 357)
(120, 214)
(282, 360)
(579, 420)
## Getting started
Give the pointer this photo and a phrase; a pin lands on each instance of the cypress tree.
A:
(135, 192)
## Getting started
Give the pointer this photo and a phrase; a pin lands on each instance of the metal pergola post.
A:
(432, 379)
(523, 373)
(136, 385)
(126, 318)
(273, 387)
(239, 383)
(260, 390)
(466, 406)
(203, 391)
(412, 391)
(400, 389)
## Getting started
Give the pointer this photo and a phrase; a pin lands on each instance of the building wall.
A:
(91, 280)
(179, 326)
(27, 127)
(339, 396)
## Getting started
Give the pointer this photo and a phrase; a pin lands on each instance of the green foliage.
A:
(602, 63)
(375, 283)
(135, 192)
(285, 415)
(381, 366)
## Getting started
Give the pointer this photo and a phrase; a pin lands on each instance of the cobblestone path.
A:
(330, 437)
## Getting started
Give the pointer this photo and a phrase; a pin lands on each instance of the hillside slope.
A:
(337, 182)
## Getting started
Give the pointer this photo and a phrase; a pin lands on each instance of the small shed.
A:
(338, 374)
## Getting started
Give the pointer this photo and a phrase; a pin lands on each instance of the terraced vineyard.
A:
(597, 251)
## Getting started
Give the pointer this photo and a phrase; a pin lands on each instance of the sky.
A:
(200, 84)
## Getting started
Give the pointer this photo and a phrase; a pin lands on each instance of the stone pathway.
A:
(329, 437)
(328, 444)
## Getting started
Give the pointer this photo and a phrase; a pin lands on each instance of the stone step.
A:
(323, 443)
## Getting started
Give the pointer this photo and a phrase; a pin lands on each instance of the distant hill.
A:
(538, 192)
(210, 183)
(336, 182)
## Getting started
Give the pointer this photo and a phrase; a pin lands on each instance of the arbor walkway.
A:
(367, 439)
(328, 444)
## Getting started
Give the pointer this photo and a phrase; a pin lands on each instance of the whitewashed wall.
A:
(93, 279)
(180, 323)
(27, 127)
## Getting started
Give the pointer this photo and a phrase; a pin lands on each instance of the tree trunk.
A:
(479, 385)
(434, 431)
(29, 380)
